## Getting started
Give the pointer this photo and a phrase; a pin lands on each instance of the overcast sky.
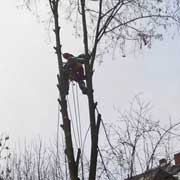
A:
(28, 68)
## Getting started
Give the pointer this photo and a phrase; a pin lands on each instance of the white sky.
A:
(28, 68)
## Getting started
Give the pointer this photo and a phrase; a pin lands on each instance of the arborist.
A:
(74, 71)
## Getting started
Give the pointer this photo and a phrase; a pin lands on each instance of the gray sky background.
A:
(28, 68)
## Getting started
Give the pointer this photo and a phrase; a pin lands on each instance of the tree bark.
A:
(89, 81)
(69, 151)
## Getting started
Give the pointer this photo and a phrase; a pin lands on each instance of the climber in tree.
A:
(74, 71)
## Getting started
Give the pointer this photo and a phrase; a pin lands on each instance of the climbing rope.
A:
(79, 129)
(79, 116)
(76, 115)
(73, 128)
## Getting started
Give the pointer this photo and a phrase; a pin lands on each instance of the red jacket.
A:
(74, 70)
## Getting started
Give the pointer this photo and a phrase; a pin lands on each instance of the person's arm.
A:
(77, 59)
(81, 59)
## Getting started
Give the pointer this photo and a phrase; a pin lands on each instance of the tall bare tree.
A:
(4, 155)
(105, 23)
(136, 142)
(133, 145)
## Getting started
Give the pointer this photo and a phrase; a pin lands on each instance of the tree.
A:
(105, 24)
(4, 156)
(136, 143)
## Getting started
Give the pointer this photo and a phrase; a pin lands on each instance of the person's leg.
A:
(82, 87)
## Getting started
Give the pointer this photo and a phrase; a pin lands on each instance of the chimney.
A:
(177, 158)
(162, 162)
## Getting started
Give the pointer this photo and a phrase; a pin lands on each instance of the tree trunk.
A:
(69, 151)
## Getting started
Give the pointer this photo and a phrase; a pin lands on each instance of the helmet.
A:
(67, 55)
(82, 56)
